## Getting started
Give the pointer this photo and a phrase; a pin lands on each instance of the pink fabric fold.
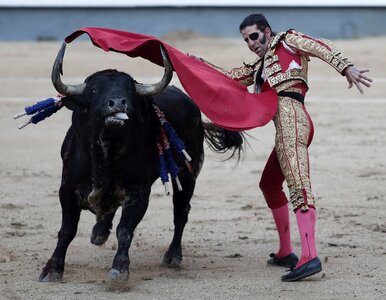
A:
(223, 100)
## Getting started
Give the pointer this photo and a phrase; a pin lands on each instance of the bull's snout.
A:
(117, 107)
(117, 103)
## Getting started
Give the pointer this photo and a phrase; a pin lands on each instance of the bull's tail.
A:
(221, 140)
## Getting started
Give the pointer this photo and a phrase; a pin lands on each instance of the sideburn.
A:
(264, 40)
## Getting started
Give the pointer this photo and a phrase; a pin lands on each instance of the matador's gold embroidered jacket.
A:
(286, 61)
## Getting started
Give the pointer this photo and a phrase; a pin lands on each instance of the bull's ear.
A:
(74, 102)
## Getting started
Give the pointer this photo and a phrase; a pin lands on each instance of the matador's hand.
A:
(355, 76)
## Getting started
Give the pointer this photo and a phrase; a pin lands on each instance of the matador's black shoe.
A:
(309, 268)
(288, 261)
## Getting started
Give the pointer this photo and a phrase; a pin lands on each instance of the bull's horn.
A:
(147, 90)
(57, 70)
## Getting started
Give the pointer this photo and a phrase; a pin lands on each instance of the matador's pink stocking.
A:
(281, 217)
(306, 224)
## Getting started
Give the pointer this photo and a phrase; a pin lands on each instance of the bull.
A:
(110, 159)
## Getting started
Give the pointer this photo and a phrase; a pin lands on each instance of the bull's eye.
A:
(93, 92)
(111, 103)
(124, 102)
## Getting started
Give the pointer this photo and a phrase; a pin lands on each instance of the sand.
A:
(230, 231)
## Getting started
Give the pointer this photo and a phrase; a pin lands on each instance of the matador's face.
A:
(257, 40)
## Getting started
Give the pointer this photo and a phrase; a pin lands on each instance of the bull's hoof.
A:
(51, 271)
(171, 262)
(118, 281)
(118, 276)
(50, 276)
(99, 240)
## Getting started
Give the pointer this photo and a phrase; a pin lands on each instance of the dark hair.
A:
(255, 19)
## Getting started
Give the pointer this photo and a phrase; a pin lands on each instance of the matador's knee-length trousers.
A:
(289, 159)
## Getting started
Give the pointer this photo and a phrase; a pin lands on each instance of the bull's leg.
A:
(181, 199)
(54, 268)
(101, 230)
(133, 210)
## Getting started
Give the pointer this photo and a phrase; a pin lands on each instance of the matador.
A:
(282, 65)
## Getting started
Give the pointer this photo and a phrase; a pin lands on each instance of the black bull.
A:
(110, 159)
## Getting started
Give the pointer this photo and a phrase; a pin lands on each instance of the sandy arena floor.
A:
(230, 232)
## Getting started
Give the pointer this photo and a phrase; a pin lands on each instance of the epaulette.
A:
(294, 31)
(277, 38)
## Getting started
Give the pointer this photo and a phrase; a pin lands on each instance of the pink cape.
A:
(223, 100)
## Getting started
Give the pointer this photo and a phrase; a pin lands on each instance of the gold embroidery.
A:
(292, 134)
(243, 74)
(290, 74)
(272, 70)
(239, 73)
(322, 49)
(277, 38)
(270, 60)
(294, 90)
(247, 82)
(291, 77)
